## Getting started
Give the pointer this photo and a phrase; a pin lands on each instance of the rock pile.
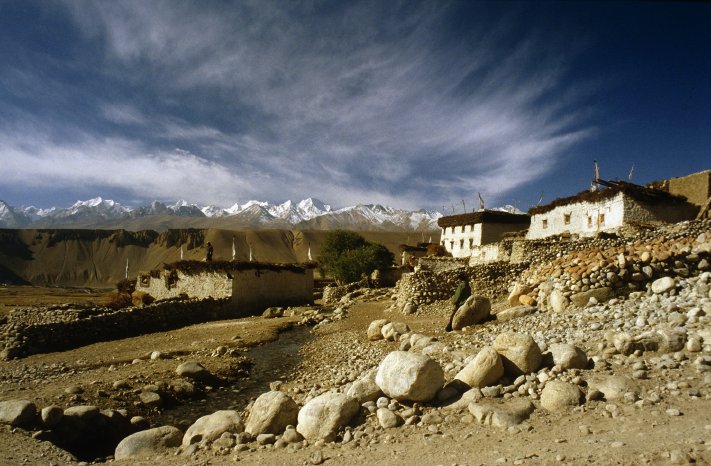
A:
(599, 274)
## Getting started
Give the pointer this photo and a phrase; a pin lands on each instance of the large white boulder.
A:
(208, 428)
(476, 309)
(568, 356)
(323, 416)
(484, 370)
(17, 412)
(365, 388)
(375, 329)
(662, 285)
(148, 442)
(409, 376)
(520, 353)
(560, 396)
(392, 330)
(271, 413)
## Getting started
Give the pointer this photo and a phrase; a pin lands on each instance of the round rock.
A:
(409, 376)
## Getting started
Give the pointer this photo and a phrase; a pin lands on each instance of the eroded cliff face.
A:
(98, 258)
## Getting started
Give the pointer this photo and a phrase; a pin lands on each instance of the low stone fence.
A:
(34, 330)
(426, 286)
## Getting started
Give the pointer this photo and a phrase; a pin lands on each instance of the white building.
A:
(464, 235)
(617, 204)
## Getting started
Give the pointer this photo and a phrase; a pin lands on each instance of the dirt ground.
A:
(591, 434)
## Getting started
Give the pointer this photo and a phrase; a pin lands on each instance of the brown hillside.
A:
(97, 258)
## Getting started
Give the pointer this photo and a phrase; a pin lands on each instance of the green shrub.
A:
(346, 256)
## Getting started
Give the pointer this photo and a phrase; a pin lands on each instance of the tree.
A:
(346, 256)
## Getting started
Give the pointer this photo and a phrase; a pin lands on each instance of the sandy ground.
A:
(588, 435)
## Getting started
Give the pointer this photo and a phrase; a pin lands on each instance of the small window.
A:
(544, 223)
(589, 221)
(451, 245)
(471, 243)
(461, 244)
(601, 219)
(566, 219)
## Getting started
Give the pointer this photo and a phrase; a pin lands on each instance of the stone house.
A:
(252, 286)
(616, 204)
(466, 235)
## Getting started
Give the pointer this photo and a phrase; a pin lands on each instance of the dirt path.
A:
(596, 433)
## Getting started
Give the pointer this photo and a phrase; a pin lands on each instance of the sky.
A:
(413, 104)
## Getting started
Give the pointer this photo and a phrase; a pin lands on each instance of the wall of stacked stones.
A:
(34, 330)
(427, 286)
(619, 266)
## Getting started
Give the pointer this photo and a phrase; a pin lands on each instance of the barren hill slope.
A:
(98, 257)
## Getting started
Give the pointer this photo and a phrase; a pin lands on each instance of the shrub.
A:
(346, 256)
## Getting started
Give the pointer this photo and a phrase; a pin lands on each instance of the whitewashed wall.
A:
(584, 218)
(458, 240)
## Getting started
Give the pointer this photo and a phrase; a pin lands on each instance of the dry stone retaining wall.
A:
(35, 330)
(426, 286)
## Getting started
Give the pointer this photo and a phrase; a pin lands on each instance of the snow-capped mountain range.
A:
(308, 214)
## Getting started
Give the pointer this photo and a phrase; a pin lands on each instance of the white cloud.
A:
(366, 104)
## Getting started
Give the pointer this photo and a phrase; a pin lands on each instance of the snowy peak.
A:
(308, 213)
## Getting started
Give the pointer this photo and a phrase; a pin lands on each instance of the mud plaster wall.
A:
(255, 290)
(456, 239)
(696, 188)
(584, 218)
(200, 286)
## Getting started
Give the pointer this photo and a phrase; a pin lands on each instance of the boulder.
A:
(392, 330)
(365, 389)
(600, 294)
(82, 413)
(560, 396)
(558, 301)
(568, 356)
(475, 309)
(375, 329)
(148, 442)
(662, 285)
(518, 290)
(273, 312)
(151, 399)
(388, 419)
(193, 370)
(484, 370)
(323, 416)
(519, 352)
(271, 413)
(409, 376)
(409, 308)
(17, 412)
(527, 300)
(662, 340)
(515, 313)
(501, 414)
(51, 416)
(613, 387)
(209, 428)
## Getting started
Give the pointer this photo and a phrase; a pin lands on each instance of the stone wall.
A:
(618, 265)
(36, 330)
(441, 264)
(174, 283)
(427, 286)
(256, 289)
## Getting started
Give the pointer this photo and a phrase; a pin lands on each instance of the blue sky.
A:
(410, 104)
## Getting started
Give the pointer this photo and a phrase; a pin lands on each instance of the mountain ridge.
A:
(309, 213)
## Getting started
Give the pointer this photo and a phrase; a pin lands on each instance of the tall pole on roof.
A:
(597, 170)
(629, 177)
(464, 206)
(481, 201)
(234, 249)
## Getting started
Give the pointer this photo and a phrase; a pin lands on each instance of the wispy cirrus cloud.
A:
(359, 102)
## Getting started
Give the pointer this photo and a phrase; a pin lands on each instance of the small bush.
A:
(126, 286)
(120, 300)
